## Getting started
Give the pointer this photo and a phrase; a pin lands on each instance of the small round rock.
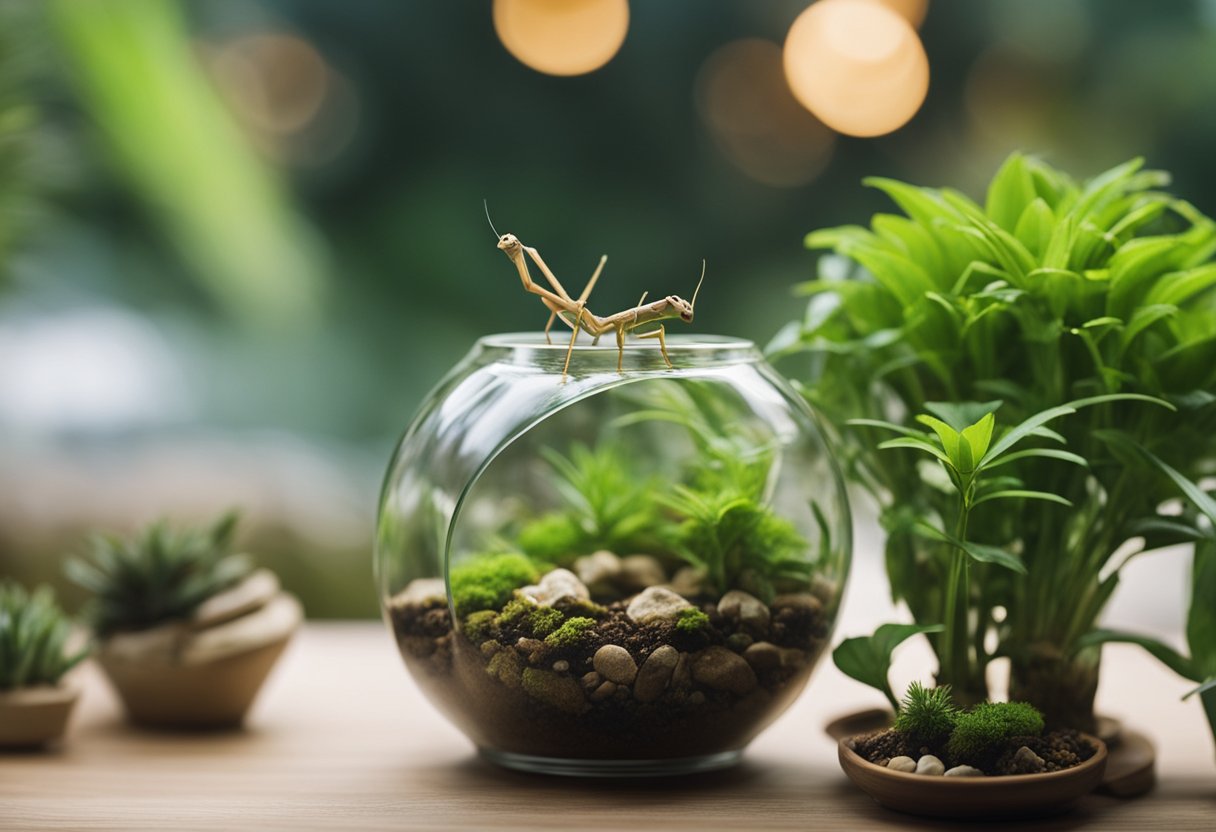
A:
(930, 765)
(614, 663)
(902, 764)
(964, 771)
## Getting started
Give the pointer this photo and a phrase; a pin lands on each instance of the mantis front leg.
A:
(582, 298)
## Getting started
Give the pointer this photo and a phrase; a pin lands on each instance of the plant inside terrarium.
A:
(34, 635)
(1049, 291)
(642, 597)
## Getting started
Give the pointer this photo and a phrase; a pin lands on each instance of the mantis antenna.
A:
(486, 203)
(693, 304)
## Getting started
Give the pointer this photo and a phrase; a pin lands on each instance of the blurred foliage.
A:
(163, 213)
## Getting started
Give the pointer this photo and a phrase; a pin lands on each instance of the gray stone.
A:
(964, 771)
(614, 663)
(1026, 760)
(902, 764)
(639, 572)
(421, 592)
(599, 572)
(689, 581)
(681, 677)
(558, 585)
(604, 691)
(764, 656)
(798, 600)
(529, 645)
(720, 669)
(930, 765)
(738, 641)
(747, 610)
(556, 690)
(655, 673)
(592, 680)
(656, 604)
(561, 666)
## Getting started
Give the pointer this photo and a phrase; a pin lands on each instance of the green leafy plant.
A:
(159, 575)
(927, 715)
(868, 658)
(1050, 291)
(487, 582)
(33, 638)
(982, 732)
(606, 506)
(969, 454)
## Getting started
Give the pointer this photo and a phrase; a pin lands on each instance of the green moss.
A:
(927, 715)
(487, 582)
(983, 731)
(581, 607)
(480, 625)
(692, 620)
(543, 621)
(516, 610)
(573, 632)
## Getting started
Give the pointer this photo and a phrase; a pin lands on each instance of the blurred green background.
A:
(239, 241)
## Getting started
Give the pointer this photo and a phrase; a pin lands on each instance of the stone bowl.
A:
(975, 798)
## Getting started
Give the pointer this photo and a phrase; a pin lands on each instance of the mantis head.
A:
(509, 244)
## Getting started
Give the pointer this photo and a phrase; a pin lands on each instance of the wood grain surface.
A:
(342, 739)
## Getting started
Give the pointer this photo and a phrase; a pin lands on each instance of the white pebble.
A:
(930, 765)
(902, 764)
(964, 771)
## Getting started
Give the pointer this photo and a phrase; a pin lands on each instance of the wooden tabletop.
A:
(342, 739)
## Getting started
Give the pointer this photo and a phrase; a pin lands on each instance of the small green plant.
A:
(33, 638)
(868, 658)
(486, 582)
(607, 505)
(730, 535)
(692, 620)
(981, 733)
(573, 632)
(159, 575)
(928, 715)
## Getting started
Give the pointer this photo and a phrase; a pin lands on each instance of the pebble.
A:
(748, 610)
(720, 669)
(738, 641)
(681, 677)
(930, 765)
(422, 591)
(655, 673)
(639, 572)
(964, 771)
(529, 645)
(1026, 760)
(614, 663)
(689, 580)
(592, 680)
(764, 656)
(798, 600)
(604, 691)
(902, 764)
(656, 604)
(599, 571)
(560, 692)
(561, 666)
(558, 585)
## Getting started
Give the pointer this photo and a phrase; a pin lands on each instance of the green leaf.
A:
(1030, 453)
(1010, 193)
(1201, 619)
(1167, 655)
(949, 436)
(1202, 689)
(1022, 494)
(960, 415)
(979, 552)
(916, 443)
(868, 658)
(979, 435)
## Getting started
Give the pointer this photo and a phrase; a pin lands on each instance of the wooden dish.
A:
(976, 798)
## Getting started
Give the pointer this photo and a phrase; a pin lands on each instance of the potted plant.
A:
(186, 632)
(992, 761)
(1051, 291)
(35, 698)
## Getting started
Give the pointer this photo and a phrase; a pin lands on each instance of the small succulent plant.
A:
(159, 575)
(33, 638)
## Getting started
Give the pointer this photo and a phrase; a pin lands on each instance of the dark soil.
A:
(1056, 750)
(490, 688)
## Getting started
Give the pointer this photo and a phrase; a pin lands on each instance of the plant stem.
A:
(955, 667)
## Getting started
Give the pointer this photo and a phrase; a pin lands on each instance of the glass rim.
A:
(682, 342)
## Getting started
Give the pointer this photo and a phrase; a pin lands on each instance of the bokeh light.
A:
(913, 11)
(562, 37)
(754, 119)
(857, 65)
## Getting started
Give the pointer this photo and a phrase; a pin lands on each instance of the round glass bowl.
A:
(612, 573)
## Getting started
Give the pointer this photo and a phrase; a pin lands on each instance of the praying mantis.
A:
(574, 312)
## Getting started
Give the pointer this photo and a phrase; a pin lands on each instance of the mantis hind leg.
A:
(573, 337)
(660, 333)
(620, 349)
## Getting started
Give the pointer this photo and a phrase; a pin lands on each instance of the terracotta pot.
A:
(976, 798)
(34, 716)
(180, 676)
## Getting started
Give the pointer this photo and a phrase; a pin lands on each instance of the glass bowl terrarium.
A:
(612, 573)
